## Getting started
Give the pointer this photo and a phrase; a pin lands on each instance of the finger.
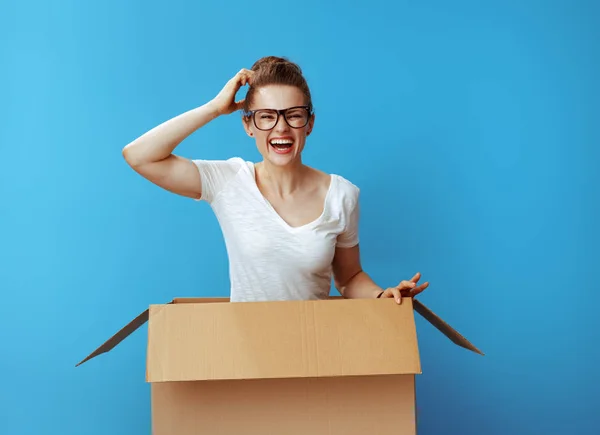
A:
(250, 77)
(397, 295)
(415, 291)
(419, 289)
(234, 84)
(416, 277)
(406, 285)
(239, 105)
(245, 73)
(240, 78)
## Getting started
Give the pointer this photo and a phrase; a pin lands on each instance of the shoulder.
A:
(227, 168)
(346, 185)
(337, 184)
(217, 175)
(346, 190)
(342, 197)
(235, 163)
(345, 207)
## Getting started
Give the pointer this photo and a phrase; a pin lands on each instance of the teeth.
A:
(281, 142)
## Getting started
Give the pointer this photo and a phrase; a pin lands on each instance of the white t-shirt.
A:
(269, 259)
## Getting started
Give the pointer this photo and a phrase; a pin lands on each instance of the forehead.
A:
(278, 97)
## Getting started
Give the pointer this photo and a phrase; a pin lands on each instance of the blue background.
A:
(471, 128)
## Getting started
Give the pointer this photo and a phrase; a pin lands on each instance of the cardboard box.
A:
(333, 367)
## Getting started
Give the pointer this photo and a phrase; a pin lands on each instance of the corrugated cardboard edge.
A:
(443, 327)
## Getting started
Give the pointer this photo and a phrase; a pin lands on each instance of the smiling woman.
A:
(289, 228)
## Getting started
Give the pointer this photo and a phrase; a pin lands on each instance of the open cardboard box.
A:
(332, 367)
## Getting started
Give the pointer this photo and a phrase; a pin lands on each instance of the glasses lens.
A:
(297, 117)
(265, 119)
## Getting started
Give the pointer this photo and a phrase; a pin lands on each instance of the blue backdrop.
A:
(471, 128)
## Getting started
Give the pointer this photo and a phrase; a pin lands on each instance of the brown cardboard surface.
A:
(378, 405)
(142, 318)
(337, 367)
(261, 340)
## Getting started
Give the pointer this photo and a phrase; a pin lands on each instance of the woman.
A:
(289, 228)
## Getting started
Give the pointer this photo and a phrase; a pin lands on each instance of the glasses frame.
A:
(280, 112)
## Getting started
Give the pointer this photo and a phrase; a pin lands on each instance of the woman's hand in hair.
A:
(224, 103)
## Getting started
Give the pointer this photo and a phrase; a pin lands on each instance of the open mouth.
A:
(281, 146)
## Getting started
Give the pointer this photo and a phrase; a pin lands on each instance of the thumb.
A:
(239, 105)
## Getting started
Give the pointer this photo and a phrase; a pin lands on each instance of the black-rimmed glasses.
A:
(266, 119)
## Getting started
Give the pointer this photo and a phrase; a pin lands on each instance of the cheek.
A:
(261, 139)
(301, 137)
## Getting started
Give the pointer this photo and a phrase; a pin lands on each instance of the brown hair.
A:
(273, 70)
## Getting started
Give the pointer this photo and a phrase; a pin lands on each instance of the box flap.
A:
(132, 326)
(443, 327)
(285, 339)
(125, 332)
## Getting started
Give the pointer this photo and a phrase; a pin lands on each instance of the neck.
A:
(282, 181)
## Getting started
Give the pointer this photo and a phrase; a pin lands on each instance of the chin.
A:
(278, 160)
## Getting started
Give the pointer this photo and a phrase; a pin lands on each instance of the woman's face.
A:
(281, 144)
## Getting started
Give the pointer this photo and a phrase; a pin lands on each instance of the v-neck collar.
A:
(278, 217)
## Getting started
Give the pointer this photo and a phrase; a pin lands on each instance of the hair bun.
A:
(276, 70)
(267, 61)
(274, 63)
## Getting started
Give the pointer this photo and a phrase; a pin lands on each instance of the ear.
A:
(246, 124)
(311, 124)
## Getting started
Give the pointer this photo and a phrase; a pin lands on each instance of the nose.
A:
(281, 124)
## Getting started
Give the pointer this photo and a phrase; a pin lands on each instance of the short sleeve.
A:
(215, 175)
(349, 237)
